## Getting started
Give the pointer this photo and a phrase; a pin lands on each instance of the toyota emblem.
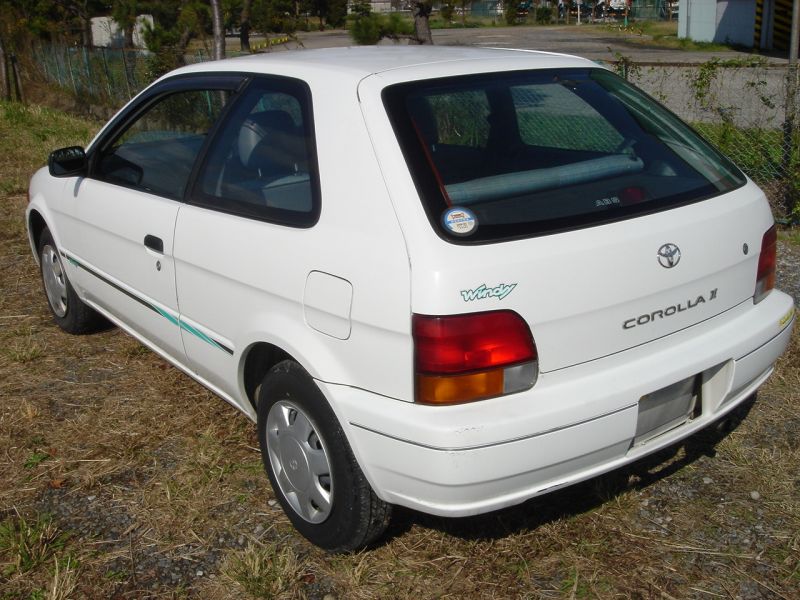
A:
(669, 255)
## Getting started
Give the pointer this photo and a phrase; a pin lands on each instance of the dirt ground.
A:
(122, 478)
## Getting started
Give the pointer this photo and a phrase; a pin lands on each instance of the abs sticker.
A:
(460, 221)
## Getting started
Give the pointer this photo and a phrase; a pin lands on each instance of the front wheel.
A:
(69, 311)
(311, 466)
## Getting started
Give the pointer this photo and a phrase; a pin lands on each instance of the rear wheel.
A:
(311, 466)
(69, 311)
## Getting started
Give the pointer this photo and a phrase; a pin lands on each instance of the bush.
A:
(366, 30)
(446, 12)
(544, 15)
(371, 28)
(511, 8)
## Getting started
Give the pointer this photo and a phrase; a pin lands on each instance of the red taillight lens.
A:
(765, 279)
(460, 358)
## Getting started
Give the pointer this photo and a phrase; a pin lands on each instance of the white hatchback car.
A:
(445, 278)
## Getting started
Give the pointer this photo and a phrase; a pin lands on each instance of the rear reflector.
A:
(460, 358)
(765, 278)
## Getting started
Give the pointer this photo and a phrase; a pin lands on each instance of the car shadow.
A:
(578, 498)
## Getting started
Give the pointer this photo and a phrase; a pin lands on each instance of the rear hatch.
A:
(570, 197)
(597, 291)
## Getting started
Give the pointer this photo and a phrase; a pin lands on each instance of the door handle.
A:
(154, 243)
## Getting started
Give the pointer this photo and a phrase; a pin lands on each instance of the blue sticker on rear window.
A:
(460, 221)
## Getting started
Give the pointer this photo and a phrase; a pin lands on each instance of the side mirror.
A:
(67, 162)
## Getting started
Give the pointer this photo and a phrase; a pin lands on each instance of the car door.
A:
(238, 257)
(121, 231)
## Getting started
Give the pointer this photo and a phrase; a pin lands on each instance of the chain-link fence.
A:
(105, 76)
(101, 75)
(749, 109)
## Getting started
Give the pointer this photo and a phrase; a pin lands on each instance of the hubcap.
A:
(299, 461)
(55, 281)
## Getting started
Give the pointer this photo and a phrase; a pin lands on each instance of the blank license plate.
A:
(666, 408)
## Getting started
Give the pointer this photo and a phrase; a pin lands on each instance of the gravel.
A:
(789, 269)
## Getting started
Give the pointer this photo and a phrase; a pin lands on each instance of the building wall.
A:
(735, 22)
(697, 20)
(106, 33)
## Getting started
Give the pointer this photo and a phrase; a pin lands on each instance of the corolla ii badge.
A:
(669, 255)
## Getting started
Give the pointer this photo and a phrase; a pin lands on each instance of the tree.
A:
(176, 23)
(81, 12)
(273, 16)
(421, 10)
(244, 25)
(219, 31)
(5, 82)
(124, 14)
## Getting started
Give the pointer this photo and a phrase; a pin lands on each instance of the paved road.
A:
(592, 42)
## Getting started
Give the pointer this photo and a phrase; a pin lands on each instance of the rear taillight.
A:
(460, 358)
(765, 279)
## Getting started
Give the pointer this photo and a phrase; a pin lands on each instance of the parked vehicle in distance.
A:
(445, 278)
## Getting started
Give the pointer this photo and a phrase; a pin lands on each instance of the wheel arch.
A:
(257, 360)
(36, 225)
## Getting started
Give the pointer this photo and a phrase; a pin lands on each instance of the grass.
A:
(266, 570)
(121, 477)
(28, 135)
(661, 34)
(25, 545)
(790, 236)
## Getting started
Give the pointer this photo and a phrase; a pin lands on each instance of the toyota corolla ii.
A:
(445, 278)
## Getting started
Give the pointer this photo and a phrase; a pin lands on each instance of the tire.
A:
(69, 312)
(311, 466)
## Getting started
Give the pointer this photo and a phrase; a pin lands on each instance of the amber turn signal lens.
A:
(450, 389)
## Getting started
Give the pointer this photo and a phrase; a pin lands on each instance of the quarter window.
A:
(263, 164)
(157, 151)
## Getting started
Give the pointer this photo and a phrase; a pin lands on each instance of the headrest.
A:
(260, 126)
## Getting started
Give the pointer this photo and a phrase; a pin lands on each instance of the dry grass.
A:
(122, 478)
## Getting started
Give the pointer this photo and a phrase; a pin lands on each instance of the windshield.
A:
(524, 153)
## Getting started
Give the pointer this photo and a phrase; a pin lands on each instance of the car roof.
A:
(361, 61)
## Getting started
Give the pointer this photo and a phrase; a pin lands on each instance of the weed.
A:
(116, 575)
(65, 579)
(574, 585)
(135, 350)
(270, 570)
(35, 459)
(25, 545)
(24, 352)
(626, 67)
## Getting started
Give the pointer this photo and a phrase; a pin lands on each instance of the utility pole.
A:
(219, 30)
(795, 37)
(792, 200)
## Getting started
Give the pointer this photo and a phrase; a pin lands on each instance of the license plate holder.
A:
(667, 408)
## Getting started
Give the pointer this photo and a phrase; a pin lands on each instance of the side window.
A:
(262, 163)
(157, 151)
(551, 116)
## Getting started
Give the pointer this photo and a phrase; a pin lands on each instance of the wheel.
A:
(311, 466)
(69, 311)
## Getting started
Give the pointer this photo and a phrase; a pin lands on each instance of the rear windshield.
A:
(525, 153)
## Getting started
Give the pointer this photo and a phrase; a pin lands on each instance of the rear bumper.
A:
(574, 424)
